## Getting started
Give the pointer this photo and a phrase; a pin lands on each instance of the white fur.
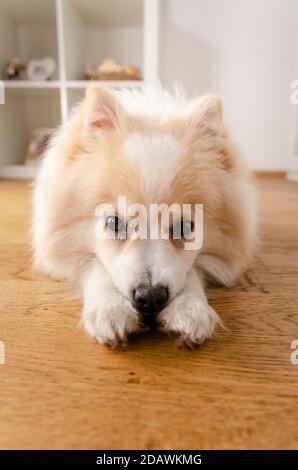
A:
(107, 316)
(200, 321)
(154, 102)
(157, 160)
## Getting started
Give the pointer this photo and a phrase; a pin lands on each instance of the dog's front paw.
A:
(189, 318)
(111, 322)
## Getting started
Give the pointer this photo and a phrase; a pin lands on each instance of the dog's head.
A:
(121, 193)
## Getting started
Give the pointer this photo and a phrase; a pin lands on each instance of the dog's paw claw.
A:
(116, 343)
(184, 342)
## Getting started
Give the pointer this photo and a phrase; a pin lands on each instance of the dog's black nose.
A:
(149, 301)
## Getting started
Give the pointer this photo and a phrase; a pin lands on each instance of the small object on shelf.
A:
(38, 145)
(15, 69)
(41, 69)
(109, 69)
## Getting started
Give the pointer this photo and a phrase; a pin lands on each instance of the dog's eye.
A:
(115, 225)
(181, 229)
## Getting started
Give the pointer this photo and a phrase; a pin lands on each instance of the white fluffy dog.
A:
(152, 148)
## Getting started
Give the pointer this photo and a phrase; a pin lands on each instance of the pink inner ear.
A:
(100, 111)
(207, 130)
(102, 124)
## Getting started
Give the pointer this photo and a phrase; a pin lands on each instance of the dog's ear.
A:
(207, 114)
(101, 110)
(203, 118)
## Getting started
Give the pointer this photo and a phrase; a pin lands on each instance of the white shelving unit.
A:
(78, 34)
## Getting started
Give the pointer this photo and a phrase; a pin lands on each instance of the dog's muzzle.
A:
(149, 301)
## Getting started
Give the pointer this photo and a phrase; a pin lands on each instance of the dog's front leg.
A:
(188, 315)
(107, 314)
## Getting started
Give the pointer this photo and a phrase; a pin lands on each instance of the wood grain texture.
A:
(60, 389)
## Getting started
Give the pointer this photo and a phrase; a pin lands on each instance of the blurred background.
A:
(245, 51)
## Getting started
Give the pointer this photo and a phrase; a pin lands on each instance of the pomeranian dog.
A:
(150, 148)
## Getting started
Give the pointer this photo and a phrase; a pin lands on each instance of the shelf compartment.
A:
(98, 29)
(27, 31)
(24, 111)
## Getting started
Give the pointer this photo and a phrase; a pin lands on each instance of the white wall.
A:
(245, 50)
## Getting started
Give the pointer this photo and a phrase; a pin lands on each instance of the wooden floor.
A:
(60, 389)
